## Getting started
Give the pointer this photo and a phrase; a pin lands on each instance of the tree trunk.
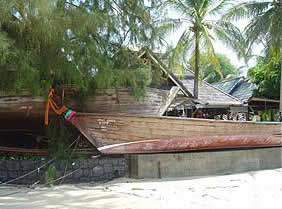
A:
(197, 59)
(280, 107)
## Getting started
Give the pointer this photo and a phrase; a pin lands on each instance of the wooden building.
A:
(242, 89)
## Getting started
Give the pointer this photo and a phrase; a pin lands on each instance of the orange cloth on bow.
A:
(51, 103)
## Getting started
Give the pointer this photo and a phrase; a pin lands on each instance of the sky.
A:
(219, 46)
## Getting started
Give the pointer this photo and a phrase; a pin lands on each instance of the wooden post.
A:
(247, 115)
(271, 115)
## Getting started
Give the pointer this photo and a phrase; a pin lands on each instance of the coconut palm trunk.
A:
(197, 59)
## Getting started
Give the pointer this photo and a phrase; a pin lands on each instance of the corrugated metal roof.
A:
(228, 85)
(209, 94)
(244, 91)
(239, 87)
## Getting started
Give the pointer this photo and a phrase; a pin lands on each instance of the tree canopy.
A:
(267, 77)
(76, 42)
(265, 27)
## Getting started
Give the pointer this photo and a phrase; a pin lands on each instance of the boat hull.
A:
(103, 130)
(185, 144)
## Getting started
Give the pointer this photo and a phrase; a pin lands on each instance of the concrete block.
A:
(13, 174)
(78, 173)
(84, 179)
(108, 168)
(86, 172)
(3, 175)
(13, 165)
(3, 164)
(62, 164)
(114, 161)
(83, 164)
(92, 163)
(98, 171)
(121, 161)
(103, 160)
(203, 163)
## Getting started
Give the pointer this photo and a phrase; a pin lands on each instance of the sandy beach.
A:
(260, 190)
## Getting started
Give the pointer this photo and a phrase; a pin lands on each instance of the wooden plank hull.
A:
(22, 151)
(168, 133)
(114, 101)
(191, 144)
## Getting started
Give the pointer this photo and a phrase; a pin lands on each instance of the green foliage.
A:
(264, 25)
(44, 42)
(267, 77)
(60, 135)
(209, 74)
(50, 174)
(131, 72)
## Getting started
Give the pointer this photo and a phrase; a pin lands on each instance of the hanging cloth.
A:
(59, 111)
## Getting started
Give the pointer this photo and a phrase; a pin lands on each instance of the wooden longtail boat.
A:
(120, 134)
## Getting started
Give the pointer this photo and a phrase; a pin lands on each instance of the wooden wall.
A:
(114, 101)
(120, 101)
(21, 107)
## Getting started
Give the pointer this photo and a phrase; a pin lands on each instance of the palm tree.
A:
(265, 27)
(197, 18)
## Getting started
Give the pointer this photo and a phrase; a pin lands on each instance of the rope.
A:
(20, 177)
(37, 169)
(71, 155)
(62, 177)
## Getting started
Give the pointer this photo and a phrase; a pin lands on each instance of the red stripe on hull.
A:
(191, 144)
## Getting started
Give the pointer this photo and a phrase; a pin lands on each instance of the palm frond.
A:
(183, 9)
(210, 50)
(265, 29)
(219, 5)
(230, 35)
(247, 9)
(182, 46)
(259, 26)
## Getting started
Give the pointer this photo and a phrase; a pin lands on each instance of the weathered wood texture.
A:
(112, 129)
(20, 107)
(22, 151)
(115, 101)
(120, 101)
